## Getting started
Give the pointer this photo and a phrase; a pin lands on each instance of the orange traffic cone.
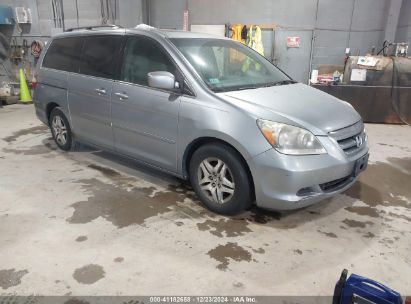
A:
(25, 96)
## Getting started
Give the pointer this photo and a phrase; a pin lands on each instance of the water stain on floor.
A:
(298, 251)
(356, 224)
(33, 130)
(119, 259)
(81, 238)
(328, 234)
(184, 188)
(34, 150)
(89, 274)
(122, 180)
(118, 178)
(259, 250)
(76, 301)
(382, 184)
(260, 216)
(105, 171)
(121, 203)
(227, 252)
(406, 149)
(364, 211)
(241, 224)
(369, 235)
(225, 227)
(11, 277)
(399, 216)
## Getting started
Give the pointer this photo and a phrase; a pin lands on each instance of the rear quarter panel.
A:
(52, 88)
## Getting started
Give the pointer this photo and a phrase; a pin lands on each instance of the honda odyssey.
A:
(207, 109)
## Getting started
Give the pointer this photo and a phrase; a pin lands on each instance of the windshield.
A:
(226, 65)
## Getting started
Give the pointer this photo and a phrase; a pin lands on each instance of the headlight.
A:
(289, 139)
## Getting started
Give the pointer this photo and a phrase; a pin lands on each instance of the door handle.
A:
(122, 96)
(101, 91)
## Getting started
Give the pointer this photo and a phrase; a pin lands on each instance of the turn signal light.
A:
(269, 136)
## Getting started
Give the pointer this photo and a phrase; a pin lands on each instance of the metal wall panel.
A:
(295, 13)
(332, 21)
(89, 12)
(328, 10)
(130, 12)
(362, 42)
(357, 24)
(370, 15)
(329, 47)
(169, 14)
(404, 23)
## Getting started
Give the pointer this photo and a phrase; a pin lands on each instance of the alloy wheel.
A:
(59, 130)
(216, 180)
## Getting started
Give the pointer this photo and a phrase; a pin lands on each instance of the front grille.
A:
(335, 184)
(350, 139)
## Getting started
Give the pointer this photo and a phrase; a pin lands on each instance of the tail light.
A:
(34, 82)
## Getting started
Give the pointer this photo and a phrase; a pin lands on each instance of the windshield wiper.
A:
(282, 82)
(256, 86)
(228, 89)
(277, 83)
(246, 88)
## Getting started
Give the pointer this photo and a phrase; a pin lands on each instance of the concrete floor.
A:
(90, 223)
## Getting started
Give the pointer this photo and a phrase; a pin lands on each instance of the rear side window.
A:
(64, 54)
(99, 56)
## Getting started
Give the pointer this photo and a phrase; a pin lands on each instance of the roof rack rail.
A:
(93, 27)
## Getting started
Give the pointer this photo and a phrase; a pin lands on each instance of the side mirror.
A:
(162, 80)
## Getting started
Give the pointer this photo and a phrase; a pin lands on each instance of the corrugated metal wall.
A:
(336, 24)
(76, 13)
(404, 23)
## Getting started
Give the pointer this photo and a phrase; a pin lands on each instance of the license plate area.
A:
(360, 165)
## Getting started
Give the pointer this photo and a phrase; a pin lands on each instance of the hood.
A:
(303, 105)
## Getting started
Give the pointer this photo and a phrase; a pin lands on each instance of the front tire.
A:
(60, 129)
(219, 177)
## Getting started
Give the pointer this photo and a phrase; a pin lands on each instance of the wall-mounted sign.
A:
(293, 42)
(185, 20)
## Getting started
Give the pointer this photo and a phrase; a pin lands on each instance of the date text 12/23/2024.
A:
(203, 299)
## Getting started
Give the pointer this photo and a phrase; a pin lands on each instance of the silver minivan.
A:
(207, 109)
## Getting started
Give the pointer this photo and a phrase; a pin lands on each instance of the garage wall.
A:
(76, 13)
(404, 23)
(336, 24)
(357, 24)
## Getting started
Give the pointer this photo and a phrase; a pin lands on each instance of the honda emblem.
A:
(358, 140)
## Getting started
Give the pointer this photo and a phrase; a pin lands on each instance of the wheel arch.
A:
(50, 106)
(199, 142)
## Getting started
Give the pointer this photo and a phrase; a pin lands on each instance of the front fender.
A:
(199, 120)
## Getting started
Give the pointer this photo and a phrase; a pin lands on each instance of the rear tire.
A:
(60, 129)
(219, 177)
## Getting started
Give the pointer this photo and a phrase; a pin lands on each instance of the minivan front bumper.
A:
(286, 182)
